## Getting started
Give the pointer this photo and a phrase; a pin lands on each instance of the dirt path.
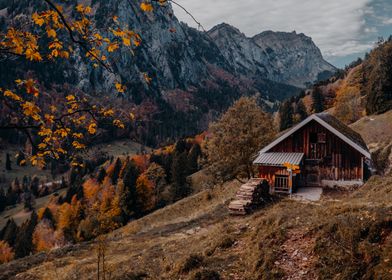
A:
(297, 256)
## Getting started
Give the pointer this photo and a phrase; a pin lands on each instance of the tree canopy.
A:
(236, 138)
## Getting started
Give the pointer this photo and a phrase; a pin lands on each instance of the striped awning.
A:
(278, 159)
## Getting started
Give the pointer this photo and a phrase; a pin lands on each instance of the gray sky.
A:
(342, 29)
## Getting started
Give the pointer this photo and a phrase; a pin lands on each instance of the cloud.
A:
(387, 21)
(337, 28)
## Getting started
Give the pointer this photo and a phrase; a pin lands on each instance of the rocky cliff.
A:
(288, 58)
(195, 75)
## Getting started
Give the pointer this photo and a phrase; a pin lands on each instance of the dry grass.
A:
(337, 237)
(375, 129)
(20, 215)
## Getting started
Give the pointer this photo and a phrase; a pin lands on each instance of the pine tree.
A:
(116, 171)
(8, 162)
(24, 240)
(3, 199)
(286, 115)
(129, 180)
(180, 146)
(300, 110)
(179, 173)
(9, 232)
(34, 185)
(101, 175)
(48, 216)
(12, 196)
(28, 200)
(318, 100)
(193, 159)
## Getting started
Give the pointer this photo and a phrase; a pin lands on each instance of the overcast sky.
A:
(342, 29)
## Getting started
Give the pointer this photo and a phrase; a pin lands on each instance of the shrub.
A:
(206, 275)
(192, 262)
(226, 242)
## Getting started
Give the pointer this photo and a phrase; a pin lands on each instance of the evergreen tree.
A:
(28, 200)
(130, 194)
(300, 110)
(9, 232)
(8, 162)
(180, 146)
(116, 171)
(286, 115)
(3, 199)
(34, 185)
(48, 216)
(12, 197)
(193, 159)
(23, 243)
(179, 173)
(101, 175)
(318, 100)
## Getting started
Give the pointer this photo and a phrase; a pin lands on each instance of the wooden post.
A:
(290, 181)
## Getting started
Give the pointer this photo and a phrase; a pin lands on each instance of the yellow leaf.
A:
(12, 95)
(112, 47)
(51, 33)
(146, 7)
(119, 124)
(80, 8)
(115, 18)
(132, 116)
(92, 128)
(147, 78)
(126, 41)
(98, 36)
(78, 145)
(70, 97)
(38, 19)
(120, 87)
(42, 146)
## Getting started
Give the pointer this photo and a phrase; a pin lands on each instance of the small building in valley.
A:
(320, 151)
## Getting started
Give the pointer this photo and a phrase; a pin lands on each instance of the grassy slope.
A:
(375, 129)
(332, 237)
(342, 237)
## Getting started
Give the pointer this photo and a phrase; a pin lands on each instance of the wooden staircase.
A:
(249, 196)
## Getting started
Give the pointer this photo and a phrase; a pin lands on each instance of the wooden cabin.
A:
(320, 151)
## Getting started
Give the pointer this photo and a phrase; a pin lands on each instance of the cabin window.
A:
(313, 137)
(281, 182)
(321, 137)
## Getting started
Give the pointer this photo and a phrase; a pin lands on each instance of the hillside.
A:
(284, 240)
(193, 77)
(362, 89)
(346, 235)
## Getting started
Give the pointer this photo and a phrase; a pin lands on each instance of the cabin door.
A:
(312, 173)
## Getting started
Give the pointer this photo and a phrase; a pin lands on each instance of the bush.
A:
(191, 263)
(226, 242)
(206, 275)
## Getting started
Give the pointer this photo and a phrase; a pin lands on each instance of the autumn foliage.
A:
(6, 252)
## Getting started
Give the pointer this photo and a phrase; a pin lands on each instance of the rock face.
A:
(195, 75)
(288, 58)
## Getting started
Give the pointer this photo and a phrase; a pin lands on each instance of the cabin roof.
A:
(335, 126)
(278, 159)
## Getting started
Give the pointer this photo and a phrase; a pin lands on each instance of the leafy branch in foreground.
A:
(60, 127)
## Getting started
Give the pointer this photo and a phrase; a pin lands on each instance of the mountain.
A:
(195, 75)
(288, 58)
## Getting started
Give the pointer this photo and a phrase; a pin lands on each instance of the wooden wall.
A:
(332, 160)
